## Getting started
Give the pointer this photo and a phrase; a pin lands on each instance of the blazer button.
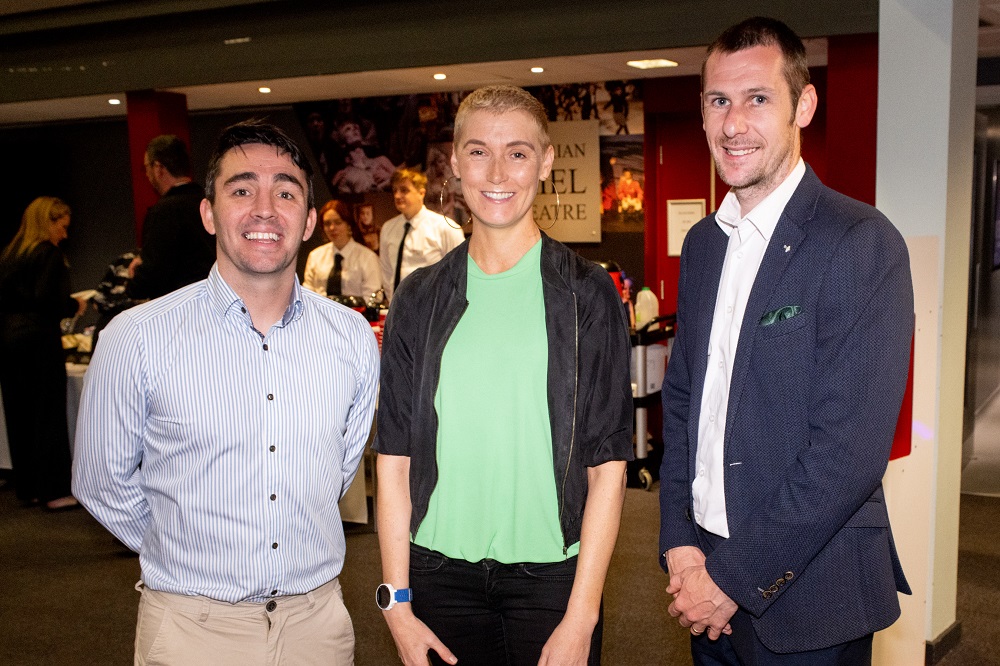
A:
(772, 589)
(789, 575)
(766, 594)
(779, 582)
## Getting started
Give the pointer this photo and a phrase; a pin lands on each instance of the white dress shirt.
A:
(743, 256)
(430, 238)
(360, 274)
(219, 453)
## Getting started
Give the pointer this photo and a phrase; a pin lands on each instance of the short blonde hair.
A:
(503, 99)
(36, 225)
(416, 178)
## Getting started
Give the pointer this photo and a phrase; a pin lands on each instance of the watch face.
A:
(383, 597)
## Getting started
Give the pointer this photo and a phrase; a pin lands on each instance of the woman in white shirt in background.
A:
(360, 274)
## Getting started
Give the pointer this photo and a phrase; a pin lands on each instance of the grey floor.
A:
(68, 597)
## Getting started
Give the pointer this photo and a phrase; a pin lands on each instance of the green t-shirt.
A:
(496, 491)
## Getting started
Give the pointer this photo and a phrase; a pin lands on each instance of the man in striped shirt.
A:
(221, 423)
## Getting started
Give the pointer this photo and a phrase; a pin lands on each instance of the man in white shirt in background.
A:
(356, 272)
(417, 236)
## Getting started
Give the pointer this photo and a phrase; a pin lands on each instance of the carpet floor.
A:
(69, 597)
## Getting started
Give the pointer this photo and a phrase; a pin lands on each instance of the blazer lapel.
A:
(708, 292)
(788, 233)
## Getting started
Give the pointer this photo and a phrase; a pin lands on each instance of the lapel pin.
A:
(788, 248)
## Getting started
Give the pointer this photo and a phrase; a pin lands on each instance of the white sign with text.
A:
(576, 176)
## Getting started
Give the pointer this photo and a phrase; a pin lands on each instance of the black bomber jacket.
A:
(589, 389)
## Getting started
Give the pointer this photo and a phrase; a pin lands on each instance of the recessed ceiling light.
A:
(114, 101)
(440, 77)
(264, 89)
(651, 64)
(537, 70)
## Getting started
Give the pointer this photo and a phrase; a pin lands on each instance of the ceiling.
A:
(559, 69)
(64, 59)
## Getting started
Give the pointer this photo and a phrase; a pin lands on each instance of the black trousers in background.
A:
(33, 379)
(493, 614)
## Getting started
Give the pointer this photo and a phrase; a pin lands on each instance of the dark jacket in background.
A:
(176, 249)
(34, 297)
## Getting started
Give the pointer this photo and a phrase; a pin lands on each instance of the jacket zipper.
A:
(572, 435)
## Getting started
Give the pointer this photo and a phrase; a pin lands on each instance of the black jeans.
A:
(489, 613)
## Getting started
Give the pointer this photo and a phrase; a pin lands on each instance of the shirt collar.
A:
(415, 220)
(223, 298)
(347, 250)
(765, 215)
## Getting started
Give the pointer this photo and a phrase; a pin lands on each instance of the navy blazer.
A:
(813, 405)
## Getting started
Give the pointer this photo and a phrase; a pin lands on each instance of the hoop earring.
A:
(447, 220)
(555, 218)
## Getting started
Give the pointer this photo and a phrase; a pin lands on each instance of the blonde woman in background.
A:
(34, 297)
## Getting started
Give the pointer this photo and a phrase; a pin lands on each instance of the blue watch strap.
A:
(403, 596)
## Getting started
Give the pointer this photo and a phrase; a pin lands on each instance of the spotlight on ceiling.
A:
(651, 64)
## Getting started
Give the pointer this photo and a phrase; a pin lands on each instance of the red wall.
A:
(852, 114)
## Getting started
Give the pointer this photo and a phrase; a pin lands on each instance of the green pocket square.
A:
(781, 314)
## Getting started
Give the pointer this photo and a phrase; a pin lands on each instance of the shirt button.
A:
(729, 310)
(711, 418)
(273, 592)
(243, 310)
(720, 364)
(274, 545)
(739, 255)
(270, 396)
(271, 448)
(273, 497)
(271, 605)
(265, 346)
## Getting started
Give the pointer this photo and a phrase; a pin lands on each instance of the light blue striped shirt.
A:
(219, 455)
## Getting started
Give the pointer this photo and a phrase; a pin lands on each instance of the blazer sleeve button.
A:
(772, 589)
(789, 575)
(779, 582)
(766, 594)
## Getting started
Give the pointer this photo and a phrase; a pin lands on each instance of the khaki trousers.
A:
(180, 630)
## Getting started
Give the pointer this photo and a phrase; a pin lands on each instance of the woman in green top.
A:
(504, 421)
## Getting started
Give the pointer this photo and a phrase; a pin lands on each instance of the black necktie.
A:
(399, 256)
(333, 282)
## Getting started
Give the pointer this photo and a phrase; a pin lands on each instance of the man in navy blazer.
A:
(794, 321)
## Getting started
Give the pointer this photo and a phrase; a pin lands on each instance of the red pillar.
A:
(150, 114)
(852, 115)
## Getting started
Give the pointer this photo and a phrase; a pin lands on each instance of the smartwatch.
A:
(386, 596)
